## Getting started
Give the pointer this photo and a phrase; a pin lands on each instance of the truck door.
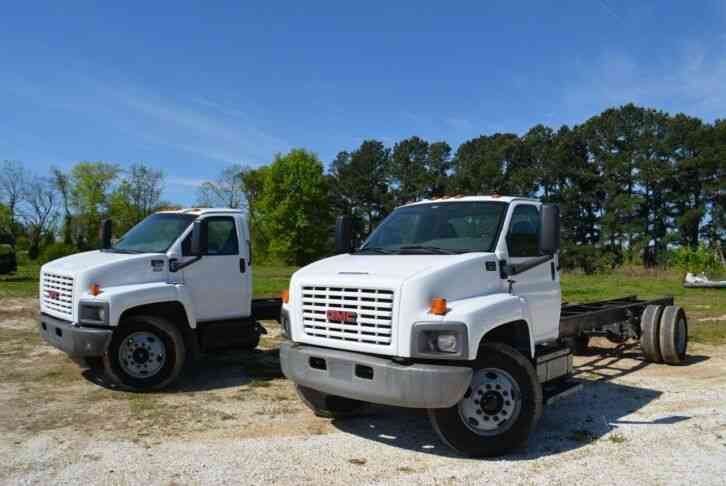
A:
(540, 285)
(219, 282)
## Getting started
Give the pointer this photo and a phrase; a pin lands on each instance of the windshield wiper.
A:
(430, 249)
(119, 250)
(374, 249)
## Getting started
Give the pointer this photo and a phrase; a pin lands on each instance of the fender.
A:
(123, 297)
(482, 314)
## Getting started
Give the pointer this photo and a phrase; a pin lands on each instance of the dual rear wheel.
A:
(664, 334)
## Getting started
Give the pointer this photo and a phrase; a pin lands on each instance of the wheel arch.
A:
(517, 334)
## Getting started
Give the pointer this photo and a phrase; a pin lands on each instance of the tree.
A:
(293, 208)
(91, 183)
(137, 196)
(409, 169)
(359, 182)
(225, 191)
(63, 186)
(40, 212)
(486, 165)
(13, 185)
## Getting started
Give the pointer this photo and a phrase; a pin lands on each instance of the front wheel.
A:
(499, 409)
(145, 353)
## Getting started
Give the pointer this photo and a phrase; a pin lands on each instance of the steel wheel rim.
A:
(142, 354)
(492, 403)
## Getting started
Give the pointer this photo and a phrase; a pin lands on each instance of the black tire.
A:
(450, 424)
(579, 345)
(673, 335)
(173, 357)
(328, 406)
(650, 333)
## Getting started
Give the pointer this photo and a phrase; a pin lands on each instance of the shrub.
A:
(695, 260)
(57, 250)
(591, 259)
(8, 262)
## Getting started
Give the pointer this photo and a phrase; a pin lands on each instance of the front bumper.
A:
(373, 379)
(74, 340)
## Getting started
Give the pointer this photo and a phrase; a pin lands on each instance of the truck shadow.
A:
(601, 407)
(223, 369)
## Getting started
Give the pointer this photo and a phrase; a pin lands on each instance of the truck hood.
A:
(110, 269)
(386, 266)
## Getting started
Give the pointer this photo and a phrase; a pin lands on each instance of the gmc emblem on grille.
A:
(53, 294)
(337, 315)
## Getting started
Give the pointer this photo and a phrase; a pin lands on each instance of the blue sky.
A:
(193, 87)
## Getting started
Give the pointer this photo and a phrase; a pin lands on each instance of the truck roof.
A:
(493, 197)
(200, 211)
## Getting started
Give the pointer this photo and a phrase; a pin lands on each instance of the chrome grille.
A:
(57, 294)
(373, 308)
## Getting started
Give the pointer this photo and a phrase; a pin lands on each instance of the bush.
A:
(695, 260)
(57, 250)
(591, 259)
(8, 262)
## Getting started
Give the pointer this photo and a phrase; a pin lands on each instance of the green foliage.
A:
(55, 251)
(695, 260)
(8, 262)
(6, 249)
(293, 208)
(91, 184)
(589, 258)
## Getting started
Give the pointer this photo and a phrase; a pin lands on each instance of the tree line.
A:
(631, 182)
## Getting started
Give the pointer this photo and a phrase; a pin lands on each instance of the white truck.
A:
(177, 284)
(454, 306)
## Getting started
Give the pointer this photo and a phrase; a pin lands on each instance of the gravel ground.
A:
(235, 420)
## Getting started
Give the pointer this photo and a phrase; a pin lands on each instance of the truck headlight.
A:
(285, 324)
(443, 340)
(95, 313)
(446, 343)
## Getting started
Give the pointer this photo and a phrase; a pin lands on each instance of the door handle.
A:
(242, 265)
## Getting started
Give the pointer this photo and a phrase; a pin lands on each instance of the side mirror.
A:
(196, 248)
(343, 234)
(106, 229)
(549, 229)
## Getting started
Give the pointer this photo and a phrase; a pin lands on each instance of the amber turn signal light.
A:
(285, 295)
(438, 306)
(95, 289)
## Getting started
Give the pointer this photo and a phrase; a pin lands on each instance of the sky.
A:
(192, 87)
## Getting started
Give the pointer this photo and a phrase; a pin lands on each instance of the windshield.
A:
(447, 227)
(154, 234)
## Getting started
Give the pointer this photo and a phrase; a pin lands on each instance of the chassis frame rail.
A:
(579, 319)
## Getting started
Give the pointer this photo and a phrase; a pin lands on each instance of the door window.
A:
(523, 237)
(221, 237)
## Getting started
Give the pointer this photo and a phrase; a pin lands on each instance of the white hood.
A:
(386, 266)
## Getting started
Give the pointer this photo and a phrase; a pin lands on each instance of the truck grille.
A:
(373, 310)
(57, 294)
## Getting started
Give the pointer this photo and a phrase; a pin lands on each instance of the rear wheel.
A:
(650, 333)
(145, 353)
(499, 409)
(328, 406)
(673, 335)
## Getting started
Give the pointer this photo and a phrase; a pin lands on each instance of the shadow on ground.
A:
(571, 423)
(223, 369)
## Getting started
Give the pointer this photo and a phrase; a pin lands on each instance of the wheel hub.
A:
(492, 402)
(142, 354)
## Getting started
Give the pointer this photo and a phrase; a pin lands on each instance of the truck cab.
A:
(176, 284)
(418, 316)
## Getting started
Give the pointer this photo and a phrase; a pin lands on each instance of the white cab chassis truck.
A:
(177, 284)
(454, 306)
